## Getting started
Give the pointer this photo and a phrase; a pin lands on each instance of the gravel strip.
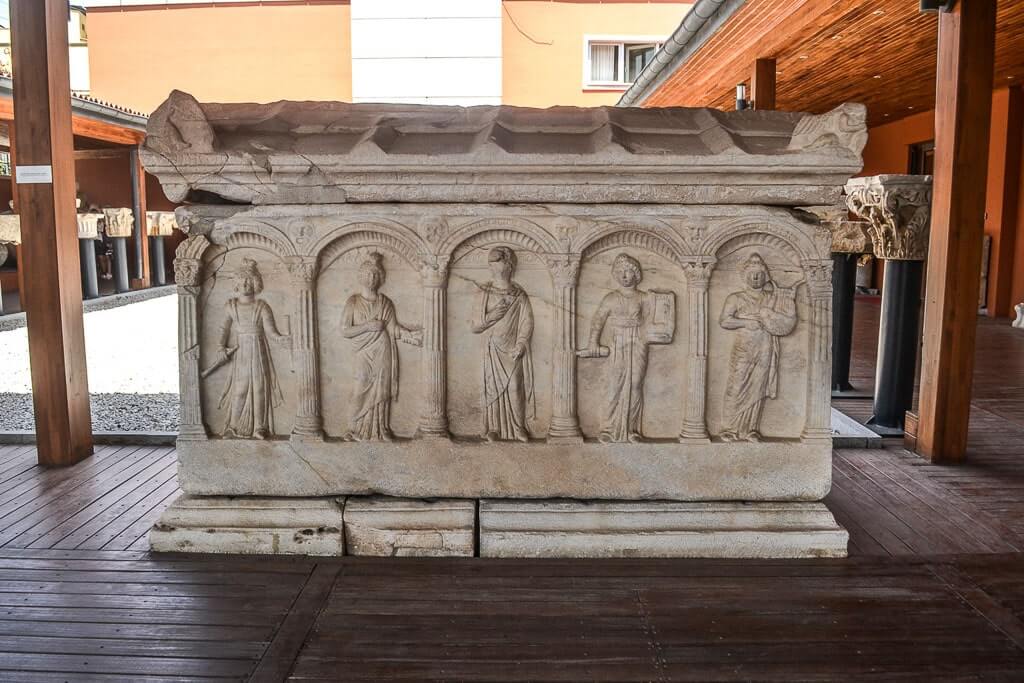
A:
(110, 412)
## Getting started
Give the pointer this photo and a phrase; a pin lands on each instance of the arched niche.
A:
(337, 280)
(664, 390)
(469, 272)
(220, 267)
(784, 415)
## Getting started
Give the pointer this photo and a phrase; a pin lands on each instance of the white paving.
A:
(132, 349)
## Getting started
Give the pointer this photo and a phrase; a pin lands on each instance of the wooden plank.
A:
(49, 249)
(107, 153)
(280, 655)
(762, 84)
(962, 119)
(140, 236)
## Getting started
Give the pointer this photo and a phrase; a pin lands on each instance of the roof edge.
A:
(699, 24)
(93, 109)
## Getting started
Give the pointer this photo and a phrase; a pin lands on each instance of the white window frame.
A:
(621, 41)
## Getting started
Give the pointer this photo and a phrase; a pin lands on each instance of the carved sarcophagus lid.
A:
(333, 152)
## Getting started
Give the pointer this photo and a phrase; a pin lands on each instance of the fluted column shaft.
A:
(565, 423)
(187, 273)
(818, 422)
(698, 277)
(305, 355)
(434, 416)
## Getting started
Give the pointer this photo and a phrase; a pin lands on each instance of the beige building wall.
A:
(225, 53)
(543, 52)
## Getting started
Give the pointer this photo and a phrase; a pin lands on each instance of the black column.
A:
(844, 287)
(139, 232)
(898, 340)
(120, 266)
(87, 256)
(157, 272)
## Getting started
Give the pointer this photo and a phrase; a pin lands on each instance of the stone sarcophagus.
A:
(505, 331)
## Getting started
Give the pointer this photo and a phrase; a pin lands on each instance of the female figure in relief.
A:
(252, 391)
(505, 315)
(761, 313)
(369, 322)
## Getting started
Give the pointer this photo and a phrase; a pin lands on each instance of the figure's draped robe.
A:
(623, 414)
(754, 363)
(375, 367)
(508, 382)
(252, 391)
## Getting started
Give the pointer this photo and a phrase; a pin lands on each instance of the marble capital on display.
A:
(897, 210)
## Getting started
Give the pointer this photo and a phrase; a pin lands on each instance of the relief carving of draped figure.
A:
(505, 318)
(630, 312)
(369, 322)
(252, 390)
(761, 314)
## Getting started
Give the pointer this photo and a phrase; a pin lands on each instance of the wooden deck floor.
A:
(933, 590)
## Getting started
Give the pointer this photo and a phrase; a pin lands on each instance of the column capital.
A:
(187, 271)
(897, 209)
(565, 269)
(698, 272)
(819, 278)
(434, 271)
(302, 270)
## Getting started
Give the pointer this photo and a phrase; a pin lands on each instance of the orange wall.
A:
(241, 53)
(542, 50)
(888, 151)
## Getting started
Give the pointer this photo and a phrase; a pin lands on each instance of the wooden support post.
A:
(49, 231)
(963, 107)
(762, 84)
(1004, 199)
(140, 268)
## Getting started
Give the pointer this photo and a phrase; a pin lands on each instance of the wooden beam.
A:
(49, 248)
(762, 84)
(140, 235)
(963, 113)
(109, 153)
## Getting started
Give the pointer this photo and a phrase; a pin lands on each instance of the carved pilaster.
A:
(698, 277)
(305, 355)
(434, 416)
(897, 209)
(188, 268)
(818, 424)
(565, 423)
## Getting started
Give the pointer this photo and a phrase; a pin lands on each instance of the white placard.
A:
(33, 175)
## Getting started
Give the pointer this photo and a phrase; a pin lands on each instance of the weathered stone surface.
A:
(428, 302)
(402, 527)
(10, 228)
(658, 529)
(89, 225)
(898, 210)
(332, 152)
(160, 223)
(295, 526)
(119, 222)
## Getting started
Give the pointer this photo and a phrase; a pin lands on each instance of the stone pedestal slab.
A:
(658, 529)
(401, 527)
(261, 526)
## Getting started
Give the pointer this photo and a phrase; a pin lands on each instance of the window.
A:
(614, 62)
(922, 158)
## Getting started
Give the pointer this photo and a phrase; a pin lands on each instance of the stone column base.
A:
(402, 527)
(658, 529)
(261, 526)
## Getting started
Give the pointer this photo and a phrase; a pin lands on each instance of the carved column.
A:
(305, 355)
(188, 269)
(434, 416)
(565, 423)
(898, 211)
(818, 420)
(698, 277)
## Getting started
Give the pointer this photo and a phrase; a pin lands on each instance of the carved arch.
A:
(360, 233)
(627, 233)
(258, 235)
(366, 235)
(517, 231)
(767, 240)
(788, 238)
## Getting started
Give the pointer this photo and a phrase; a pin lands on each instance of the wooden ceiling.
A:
(878, 52)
